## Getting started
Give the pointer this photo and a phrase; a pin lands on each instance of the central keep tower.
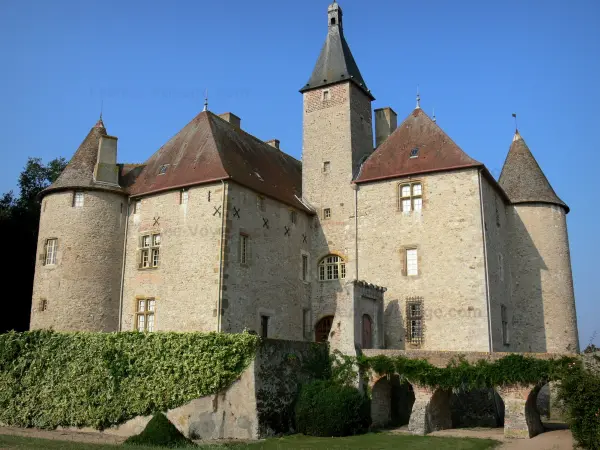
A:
(337, 138)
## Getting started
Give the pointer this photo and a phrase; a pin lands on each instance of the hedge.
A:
(50, 379)
(579, 391)
(327, 408)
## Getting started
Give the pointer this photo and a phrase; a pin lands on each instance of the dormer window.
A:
(163, 169)
(414, 153)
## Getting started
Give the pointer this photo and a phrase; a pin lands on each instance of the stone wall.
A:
(448, 236)
(498, 260)
(270, 282)
(544, 317)
(186, 283)
(81, 291)
(337, 131)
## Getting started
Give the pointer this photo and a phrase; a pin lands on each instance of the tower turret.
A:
(542, 293)
(337, 137)
(80, 244)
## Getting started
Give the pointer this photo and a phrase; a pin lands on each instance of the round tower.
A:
(80, 243)
(543, 301)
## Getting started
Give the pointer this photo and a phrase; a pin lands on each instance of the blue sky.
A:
(475, 62)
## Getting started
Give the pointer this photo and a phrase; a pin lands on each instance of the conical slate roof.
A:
(335, 63)
(79, 172)
(522, 178)
(433, 150)
(210, 149)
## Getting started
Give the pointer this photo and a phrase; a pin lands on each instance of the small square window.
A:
(78, 199)
(411, 197)
(327, 213)
(163, 169)
(326, 95)
(183, 199)
(414, 153)
(326, 166)
(43, 304)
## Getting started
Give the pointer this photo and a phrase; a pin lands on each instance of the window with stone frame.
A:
(504, 315)
(149, 251)
(78, 198)
(326, 213)
(326, 166)
(332, 267)
(244, 248)
(145, 309)
(414, 320)
(410, 196)
(43, 306)
(184, 196)
(293, 216)
(304, 267)
(411, 262)
(50, 251)
(260, 202)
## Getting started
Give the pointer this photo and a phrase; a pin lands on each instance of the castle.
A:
(408, 243)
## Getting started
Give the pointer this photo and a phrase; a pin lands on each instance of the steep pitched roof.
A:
(79, 172)
(436, 151)
(210, 149)
(522, 178)
(335, 63)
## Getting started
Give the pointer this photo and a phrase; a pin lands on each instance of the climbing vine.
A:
(459, 373)
(50, 379)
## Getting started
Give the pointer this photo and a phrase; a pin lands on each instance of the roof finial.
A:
(205, 100)
(418, 98)
(517, 136)
(434, 119)
(100, 123)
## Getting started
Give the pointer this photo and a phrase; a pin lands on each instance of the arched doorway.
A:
(367, 332)
(392, 400)
(323, 328)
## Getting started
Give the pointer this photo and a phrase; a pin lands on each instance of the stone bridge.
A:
(427, 409)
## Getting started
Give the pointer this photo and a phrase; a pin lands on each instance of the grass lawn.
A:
(368, 441)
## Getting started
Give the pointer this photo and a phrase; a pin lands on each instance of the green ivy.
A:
(459, 373)
(50, 379)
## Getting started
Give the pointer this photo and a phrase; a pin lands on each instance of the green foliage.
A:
(160, 432)
(19, 221)
(579, 391)
(50, 379)
(326, 408)
(344, 368)
(459, 373)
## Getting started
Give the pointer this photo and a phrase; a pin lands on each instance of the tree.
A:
(19, 223)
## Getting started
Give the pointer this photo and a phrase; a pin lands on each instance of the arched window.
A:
(332, 267)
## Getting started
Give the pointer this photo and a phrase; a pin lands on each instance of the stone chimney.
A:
(274, 143)
(106, 170)
(386, 121)
(232, 119)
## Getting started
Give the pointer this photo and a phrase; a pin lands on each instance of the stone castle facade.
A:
(219, 231)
